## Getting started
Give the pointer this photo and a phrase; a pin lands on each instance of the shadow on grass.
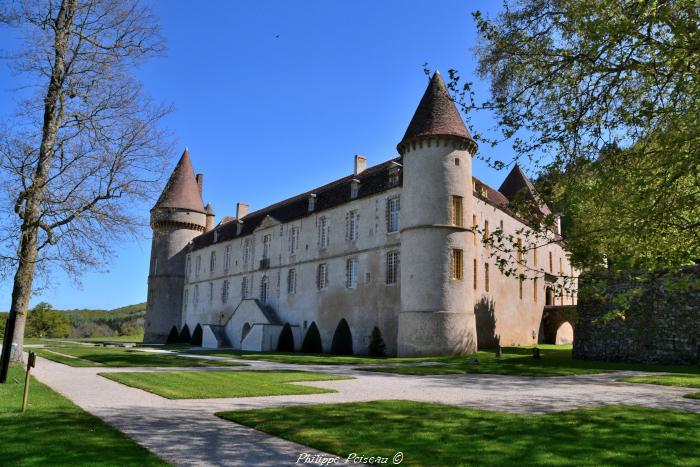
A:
(119, 357)
(434, 434)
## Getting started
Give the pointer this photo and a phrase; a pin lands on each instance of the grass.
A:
(685, 381)
(435, 434)
(54, 431)
(213, 384)
(554, 361)
(136, 339)
(121, 357)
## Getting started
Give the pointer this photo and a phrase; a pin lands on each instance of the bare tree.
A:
(84, 148)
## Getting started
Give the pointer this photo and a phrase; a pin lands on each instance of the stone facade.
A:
(661, 323)
(376, 248)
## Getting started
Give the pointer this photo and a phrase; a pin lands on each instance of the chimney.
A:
(241, 210)
(200, 182)
(360, 164)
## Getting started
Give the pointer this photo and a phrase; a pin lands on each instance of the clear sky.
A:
(274, 98)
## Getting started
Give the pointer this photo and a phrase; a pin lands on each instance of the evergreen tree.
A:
(185, 336)
(342, 339)
(174, 336)
(312, 340)
(377, 347)
(285, 343)
(197, 336)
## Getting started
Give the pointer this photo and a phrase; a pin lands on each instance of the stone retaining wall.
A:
(650, 318)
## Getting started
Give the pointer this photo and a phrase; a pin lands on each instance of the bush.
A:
(342, 339)
(377, 347)
(174, 336)
(185, 336)
(44, 321)
(286, 341)
(312, 340)
(197, 336)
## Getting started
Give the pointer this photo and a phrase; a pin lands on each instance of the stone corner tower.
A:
(178, 216)
(437, 300)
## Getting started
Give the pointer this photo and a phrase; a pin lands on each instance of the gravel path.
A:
(185, 432)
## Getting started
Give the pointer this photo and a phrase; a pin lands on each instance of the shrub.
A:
(286, 341)
(342, 339)
(197, 336)
(44, 321)
(312, 340)
(174, 336)
(377, 347)
(185, 336)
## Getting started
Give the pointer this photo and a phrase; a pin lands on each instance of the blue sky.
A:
(276, 97)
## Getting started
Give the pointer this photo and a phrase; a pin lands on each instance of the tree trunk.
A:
(30, 211)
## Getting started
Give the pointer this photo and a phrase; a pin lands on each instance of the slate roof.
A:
(436, 114)
(182, 190)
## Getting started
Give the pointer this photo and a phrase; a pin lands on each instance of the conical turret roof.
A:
(515, 182)
(436, 114)
(182, 191)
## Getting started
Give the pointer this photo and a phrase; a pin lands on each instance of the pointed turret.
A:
(437, 115)
(210, 217)
(516, 182)
(182, 190)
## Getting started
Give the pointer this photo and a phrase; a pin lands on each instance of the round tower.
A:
(437, 302)
(177, 218)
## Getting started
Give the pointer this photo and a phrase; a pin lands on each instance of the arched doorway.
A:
(245, 331)
(565, 334)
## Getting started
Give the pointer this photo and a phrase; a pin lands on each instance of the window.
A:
(457, 267)
(224, 291)
(534, 289)
(322, 276)
(486, 276)
(351, 273)
(393, 178)
(486, 231)
(561, 269)
(185, 299)
(267, 243)
(244, 288)
(246, 251)
(520, 287)
(323, 232)
(263, 289)
(292, 281)
(519, 251)
(197, 266)
(293, 240)
(227, 258)
(457, 211)
(352, 221)
(551, 261)
(500, 224)
(354, 189)
(212, 262)
(475, 277)
(392, 267)
(534, 257)
(393, 206)
(188, 267)
(474, 228)
(211, 293)
(456, 160)
(196, 295)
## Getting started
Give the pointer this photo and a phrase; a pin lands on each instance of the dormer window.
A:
(312, 202)
(394, 173)
(354, 188)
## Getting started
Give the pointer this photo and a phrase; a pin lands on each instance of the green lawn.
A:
(685, 381)
(54, 431)
(120, 357)
(554, 361)
(213, 384)
(442, 435)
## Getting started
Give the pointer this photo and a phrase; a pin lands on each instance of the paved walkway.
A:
(185, 432)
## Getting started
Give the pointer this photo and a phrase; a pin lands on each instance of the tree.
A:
(44, 321)
(84, 148)
(185, 336)
(312, 340)
(174, 336)
(377, 347)
(197, 335)
(569, 80)
(285, 343)
(342, 339)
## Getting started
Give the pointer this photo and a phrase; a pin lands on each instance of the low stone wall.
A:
(649, 318)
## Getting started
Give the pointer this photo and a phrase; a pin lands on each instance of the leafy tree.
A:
(285, 343)
(569, 81)
(174, 336)
(44, 321)
(85, 148)
(342, 339)
(377, 347)
(312, 340)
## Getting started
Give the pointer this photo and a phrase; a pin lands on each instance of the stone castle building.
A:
(390, 246)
